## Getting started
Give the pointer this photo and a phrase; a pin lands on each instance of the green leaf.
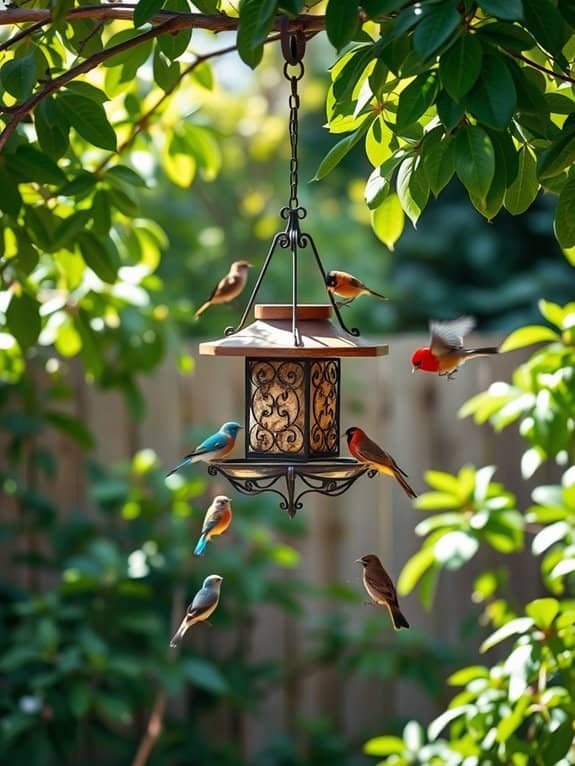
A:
(435, 501)
(503, 9)
(145, 9)
(450, 113)
(338, 152)
(465, 675)
(68, 230)
(543, 611)
(205, 675)
(379, 746)
(460, 66)
(564, 223)
(267, 14)
(10, 198)
(89, 119)
(341, 21)
(175, 44)
(414, 569)
(474, 160)
(439, 164)
(553, 312)
(23, 318)
(545, 23)
(98, 258)
(376, 189)
(526, 336)
(511, 628)
(249, 31)
(33, 165)
(416, 99)
(52, 132)
(127, 175)
(438, 724)
(455, 548)
(70, 426)
(507, 36)
(388, 221)
(377, 142)
(412, 188)
(166, 72)
(560, 155)
(18, 76)
(493, 98)
(523, 190)
(439, 22)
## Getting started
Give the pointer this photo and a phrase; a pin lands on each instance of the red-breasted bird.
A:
(217, 519)
(204, 603)
(367, 451)
(215, 447)
(446, 353)
(348, 287)
(229, 287)
(381, 589)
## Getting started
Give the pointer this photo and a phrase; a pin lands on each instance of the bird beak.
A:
(413, 369)
(358, 561)
(250, 265)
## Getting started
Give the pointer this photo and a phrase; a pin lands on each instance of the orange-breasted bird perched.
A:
(229, 287)
(381, 589)
(217, 519)
(446, 353)
(367, 451)
(348, 287)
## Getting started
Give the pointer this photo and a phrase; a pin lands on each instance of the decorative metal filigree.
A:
(292, 408)
(333, 478)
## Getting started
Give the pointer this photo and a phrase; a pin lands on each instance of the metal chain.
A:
(293, 131)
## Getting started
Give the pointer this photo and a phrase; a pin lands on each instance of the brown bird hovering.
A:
(381, 589)
(367, 451)
(348, 287)
(446, 353)
(229, 287)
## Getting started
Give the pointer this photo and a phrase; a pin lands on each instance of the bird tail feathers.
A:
(201, 545)
(193, 458)
(179, 634)
(398, 618)
(378, 295)
(201, 310)
(487, 351)
(404, 485)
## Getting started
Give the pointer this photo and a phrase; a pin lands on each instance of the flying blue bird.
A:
(217, 519)
(204, 603)
(215, 447)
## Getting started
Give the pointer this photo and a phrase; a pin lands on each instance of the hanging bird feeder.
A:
(292, 365)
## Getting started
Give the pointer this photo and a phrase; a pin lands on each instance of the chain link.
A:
(293, 131)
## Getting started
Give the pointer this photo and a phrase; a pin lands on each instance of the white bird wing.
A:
(448, 336)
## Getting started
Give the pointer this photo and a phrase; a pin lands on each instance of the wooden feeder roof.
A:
(271, 336)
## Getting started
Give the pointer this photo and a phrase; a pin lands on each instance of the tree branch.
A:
(540, 67)
(218, 22)
(22, 111)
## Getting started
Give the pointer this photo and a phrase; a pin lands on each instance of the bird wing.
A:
(211, 444)
(204, 600)
(371, 452)
(227, 288)
(448, 336)
(377, 580)
(212, 520)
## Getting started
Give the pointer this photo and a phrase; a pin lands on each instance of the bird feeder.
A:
(292, 358)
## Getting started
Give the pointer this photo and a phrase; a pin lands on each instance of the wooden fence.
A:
(415, 417)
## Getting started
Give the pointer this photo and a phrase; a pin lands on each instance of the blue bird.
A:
(204, 603)
(215, 447)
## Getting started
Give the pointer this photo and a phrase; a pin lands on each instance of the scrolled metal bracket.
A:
(319, 477)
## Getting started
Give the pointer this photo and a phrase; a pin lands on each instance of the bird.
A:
(381, 589)
(204, 603)
(215, 447)
(446, 353)
(229, 287)
(217, 519)
(367, 451)
(348, 287)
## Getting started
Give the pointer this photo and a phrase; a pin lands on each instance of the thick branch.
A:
(215, 22)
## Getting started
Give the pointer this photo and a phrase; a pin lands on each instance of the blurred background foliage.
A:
(106, 257)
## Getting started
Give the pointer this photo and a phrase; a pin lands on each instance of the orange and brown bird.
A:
(217, 519)
(348, 287)
(446, 353)
(367, 451)
(229, 287)
(381, 589)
